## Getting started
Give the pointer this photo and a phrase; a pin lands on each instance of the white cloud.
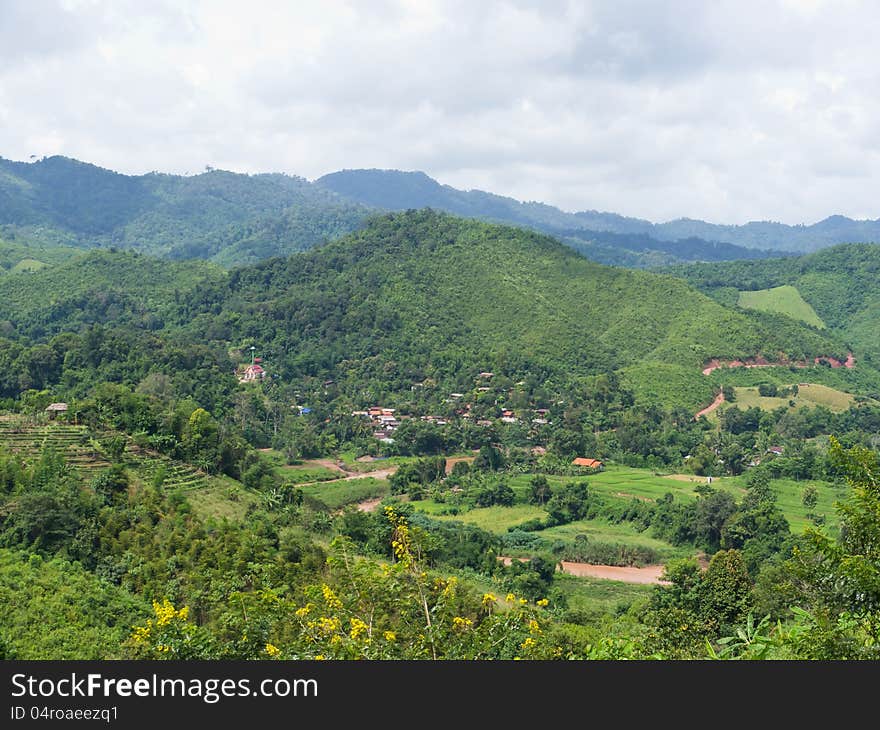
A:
(728, 111)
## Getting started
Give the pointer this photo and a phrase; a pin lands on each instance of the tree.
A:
(540, 490)
(569, 503)
(489, 459)
(810, 496)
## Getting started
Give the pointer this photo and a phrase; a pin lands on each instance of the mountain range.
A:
(235, 219)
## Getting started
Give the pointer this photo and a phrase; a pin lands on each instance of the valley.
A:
(298, 411)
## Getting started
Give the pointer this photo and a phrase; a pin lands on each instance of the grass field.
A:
(306, 474)
(595, 595)
(493, 519)
(224, 497)
(783, 300)
(342, 492)
(809, 395)
(27, 265)
(621, 482)
(607, 532)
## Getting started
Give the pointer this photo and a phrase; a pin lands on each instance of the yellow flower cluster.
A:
(528, 643)
(272, 650)
(510, 597)
(400, 542)
(327, 625)
(142, 633)
(390, 636)
(543, 602)
(534, 627)
(165, 612)
(358, 628)
(305, 610)
(488, 599)
(461, 623)
(330, 598)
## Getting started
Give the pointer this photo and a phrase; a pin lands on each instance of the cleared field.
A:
(809, 395)
(597, 596)
(621, 482)
(623, 533)
(306, 474)
(789, 495)
(223, 497)
(493, 519)
(27, 265)
(782, 300)
(337, 494)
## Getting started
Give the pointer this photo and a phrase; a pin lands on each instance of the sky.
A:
(724, 111)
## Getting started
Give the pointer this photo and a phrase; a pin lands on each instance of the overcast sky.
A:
(726, 111)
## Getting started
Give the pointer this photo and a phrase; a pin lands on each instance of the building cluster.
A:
(382, 420)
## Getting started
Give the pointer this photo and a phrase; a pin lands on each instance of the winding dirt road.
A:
(719, 399)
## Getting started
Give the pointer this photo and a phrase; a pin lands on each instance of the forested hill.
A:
(423, 295)
(683, 239)
(840, 283)
(614, 240)
(232, 216)
(236, 219)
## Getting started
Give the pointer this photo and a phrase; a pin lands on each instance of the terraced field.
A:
(165, 472)
(74, 443)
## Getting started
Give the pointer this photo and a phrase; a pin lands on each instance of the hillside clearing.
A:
(785, 300)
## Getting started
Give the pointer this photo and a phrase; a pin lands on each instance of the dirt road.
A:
(648, 574)
(719, 399)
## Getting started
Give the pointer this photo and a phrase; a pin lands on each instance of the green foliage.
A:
(54, 609)
(838, 283)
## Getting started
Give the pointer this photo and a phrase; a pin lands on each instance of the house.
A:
(486, 375)
(588, 463)
(775, 450)
(53, 409)
(252, 372)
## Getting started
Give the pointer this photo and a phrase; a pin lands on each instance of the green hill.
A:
(421, 295)
(238, 219)
(426, 295)
(839, 283)
(58, 200)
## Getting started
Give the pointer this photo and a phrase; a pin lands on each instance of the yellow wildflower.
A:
(543, 602)
(461, 623)
(328, 625)
(272, 650)
(510, 597)
(304, 611)
(390, 636)
(358, 628)
(331, 599)
(528, 643)
(488, 599)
